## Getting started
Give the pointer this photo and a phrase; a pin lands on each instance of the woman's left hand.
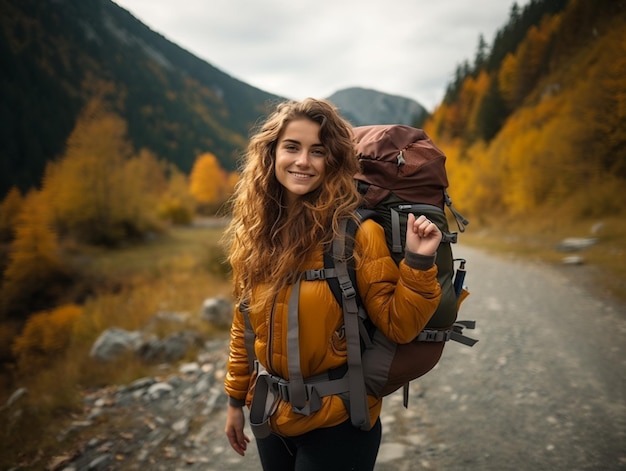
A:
(235, 422)
(422, 236)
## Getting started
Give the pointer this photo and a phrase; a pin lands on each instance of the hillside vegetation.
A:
(535, 135)
(556, 144)
(57, 56)
(534, 132)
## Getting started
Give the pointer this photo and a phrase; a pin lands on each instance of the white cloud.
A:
(317, 47)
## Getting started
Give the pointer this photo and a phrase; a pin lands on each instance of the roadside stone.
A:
(481, 409)
(574, 244)
(113, 343)
(116, 342)
(181, 427)
(573, 260)
(100, 462)
(189, 369)
(141, 383)
(157, 390)
(175, 422)
(217, 311)
(169, 349)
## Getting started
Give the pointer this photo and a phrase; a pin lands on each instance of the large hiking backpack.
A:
(402, 172)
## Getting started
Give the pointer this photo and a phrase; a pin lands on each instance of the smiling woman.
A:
(296, 191)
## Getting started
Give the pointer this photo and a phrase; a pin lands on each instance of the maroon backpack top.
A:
(403, 160)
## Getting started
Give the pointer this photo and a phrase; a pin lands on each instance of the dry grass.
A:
(604, 265)
(172, 273)
(176, 272)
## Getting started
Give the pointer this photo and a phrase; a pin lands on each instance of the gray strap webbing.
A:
(396, 243)
(263, 405)
(296, 381)
(359, 411)
(457, 335)
(321, 274)
(269, 388)
(454, 332)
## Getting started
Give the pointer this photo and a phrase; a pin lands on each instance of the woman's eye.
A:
(319, 152)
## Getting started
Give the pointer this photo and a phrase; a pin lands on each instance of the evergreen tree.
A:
(491, 113)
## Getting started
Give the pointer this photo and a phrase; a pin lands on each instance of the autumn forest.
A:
(533, 127)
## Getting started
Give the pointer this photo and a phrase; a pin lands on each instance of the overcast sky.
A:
(301, 48)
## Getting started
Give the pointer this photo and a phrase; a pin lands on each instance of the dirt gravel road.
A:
(544, 389)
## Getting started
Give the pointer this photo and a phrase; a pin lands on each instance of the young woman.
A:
(295, 188)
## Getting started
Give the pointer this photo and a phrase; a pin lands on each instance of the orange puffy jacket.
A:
(399, 301)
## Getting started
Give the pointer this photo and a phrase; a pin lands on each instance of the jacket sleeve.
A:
(237, 371)
(399, 300)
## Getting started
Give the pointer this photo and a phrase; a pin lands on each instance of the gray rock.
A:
(573, 260)
(217, 311)
(141, 383)
(574, 244)
(101, 462)
(159, 389)
(190, 369)
(181, 427)
(113, 343)
(170, 349)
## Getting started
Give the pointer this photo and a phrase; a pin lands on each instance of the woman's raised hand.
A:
(422, 236)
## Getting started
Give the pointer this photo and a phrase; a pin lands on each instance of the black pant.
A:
(340, 448)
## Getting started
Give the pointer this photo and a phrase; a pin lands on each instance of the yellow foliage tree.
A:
(231, 182)
(507, 79)
(604, 99)
(176, 204)
(9, 210)
(35, 268)
(207, 183)
(45, 335)
(564, 132)
(480, 86)
(99, 193)
(143, 181)
(435, 125)
(86, 184)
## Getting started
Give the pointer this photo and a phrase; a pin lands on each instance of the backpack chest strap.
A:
(320, 274)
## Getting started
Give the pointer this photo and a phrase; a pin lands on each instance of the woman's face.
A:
(300, 159)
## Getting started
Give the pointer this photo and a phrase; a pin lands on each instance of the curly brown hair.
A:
(267, 244)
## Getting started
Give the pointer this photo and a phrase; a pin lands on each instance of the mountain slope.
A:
(57, 55)
(363, 106)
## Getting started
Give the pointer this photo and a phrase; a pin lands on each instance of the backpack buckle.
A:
(433, 335)
(347, 289)
(311, 275)
(283, 390)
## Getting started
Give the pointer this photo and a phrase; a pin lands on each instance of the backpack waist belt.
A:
(454, 332)
(270, 388)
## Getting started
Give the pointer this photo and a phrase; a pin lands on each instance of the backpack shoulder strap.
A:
(329, 259)
(359, 410)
